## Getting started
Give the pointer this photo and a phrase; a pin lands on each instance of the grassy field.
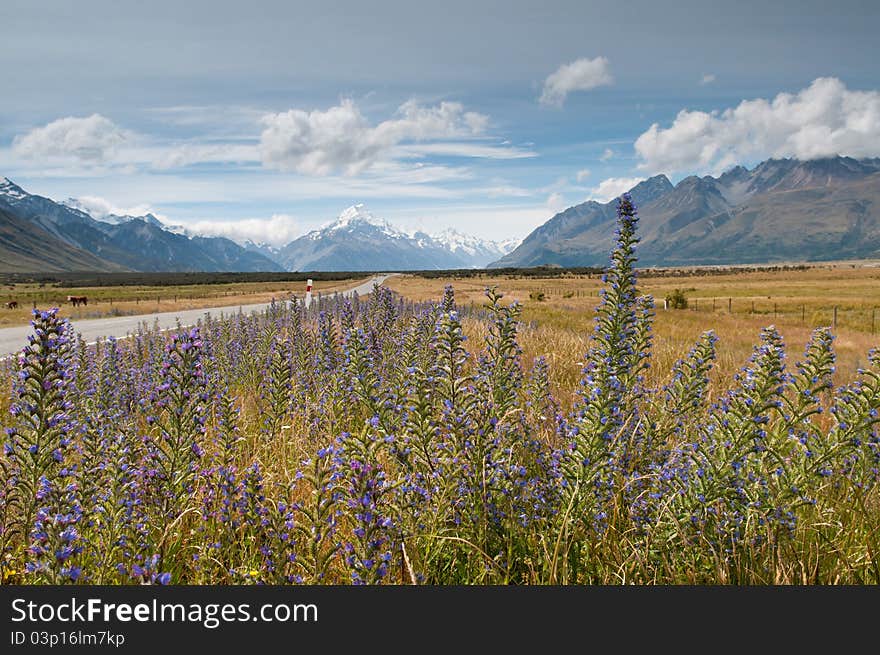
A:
(143, 299)
(795, 301)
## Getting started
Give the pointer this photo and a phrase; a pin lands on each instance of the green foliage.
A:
(677, 300)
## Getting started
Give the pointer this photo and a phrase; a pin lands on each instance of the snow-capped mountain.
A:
(112, 219)
(265, 249)
(11, 191)
(137, 243)
(359, 241)
(355, 241)
(478, 252)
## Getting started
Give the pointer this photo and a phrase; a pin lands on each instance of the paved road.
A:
(13, 339)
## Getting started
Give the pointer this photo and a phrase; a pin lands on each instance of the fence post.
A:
(730, 305)
(803, 313)
(873, 319)
(753, 307)
(774, 310)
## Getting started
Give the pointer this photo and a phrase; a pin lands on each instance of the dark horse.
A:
(78, 300)
(13, 304)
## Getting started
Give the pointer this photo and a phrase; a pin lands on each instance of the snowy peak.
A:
(471, 246)
(11, 190)
(355, 216)
(357, 240)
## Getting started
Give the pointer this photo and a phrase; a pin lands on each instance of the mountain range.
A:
(358, 241)
(780, 210)
(39, 234)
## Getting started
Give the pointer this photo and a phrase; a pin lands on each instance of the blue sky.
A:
(266, 119)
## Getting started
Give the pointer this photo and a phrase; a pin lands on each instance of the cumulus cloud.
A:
(93, 139)
(278, 230)
(825, 119)
(341, 139)
(708, 78)
(607, 154)
(612, 187)
(580, 75)
(583, 174)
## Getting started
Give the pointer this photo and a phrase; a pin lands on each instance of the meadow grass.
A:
(560, 326)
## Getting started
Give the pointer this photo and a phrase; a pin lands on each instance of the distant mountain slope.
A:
(135, 243)
(780, 210)
(26, 248)
(561, 240)
(357, 241)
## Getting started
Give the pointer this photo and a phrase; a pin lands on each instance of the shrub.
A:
(677, 300)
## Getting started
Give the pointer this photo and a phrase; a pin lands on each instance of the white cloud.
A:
(99, 208)
(580, 75)
(278, 230)
(612, 187)
(607, 154)
(822, 120)
(556, 202)
(583, 174)
(707, 78)
(93, 139)
(341, 138)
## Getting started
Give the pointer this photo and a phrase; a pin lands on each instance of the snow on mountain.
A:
(357, 240)
(140, 243)
(480, 251)
(355, 218)
(11, 190)
(111, 218)
(509, 245)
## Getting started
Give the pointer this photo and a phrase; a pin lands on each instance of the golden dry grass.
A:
(559, 327)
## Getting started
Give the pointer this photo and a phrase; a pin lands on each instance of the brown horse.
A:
(78, 300)
(13, 304)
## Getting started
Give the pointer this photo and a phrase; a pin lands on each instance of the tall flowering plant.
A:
(41, 479)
